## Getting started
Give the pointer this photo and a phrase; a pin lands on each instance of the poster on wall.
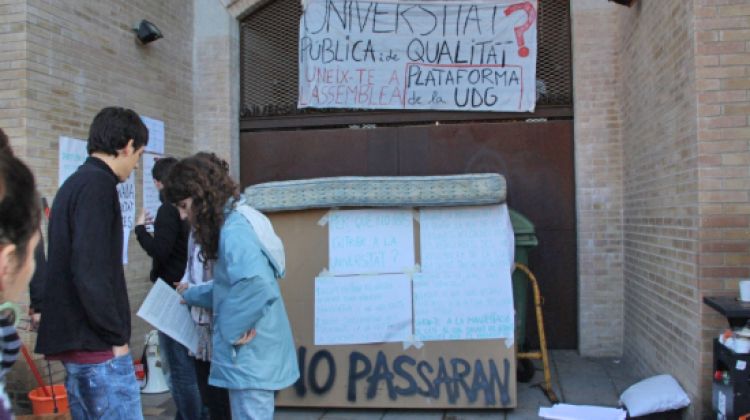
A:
(155, 134)
(435, 55)
(126, 192)
(371, 241)
(72, 154)
(464, 291)
(151, 201)
(362, 309)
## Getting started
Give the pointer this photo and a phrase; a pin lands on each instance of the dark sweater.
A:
(168, 246)
(85, 306)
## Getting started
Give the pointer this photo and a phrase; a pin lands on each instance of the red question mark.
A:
(530, 18)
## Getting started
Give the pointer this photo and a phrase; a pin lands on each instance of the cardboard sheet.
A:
(441, 374)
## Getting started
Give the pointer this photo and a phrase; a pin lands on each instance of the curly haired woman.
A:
(20, 216)
(253, 349)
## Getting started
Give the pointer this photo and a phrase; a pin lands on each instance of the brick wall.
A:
(662, 306)
(216, 72)
(13, 71)
(598, 166)
(81, 55)
(722, 89)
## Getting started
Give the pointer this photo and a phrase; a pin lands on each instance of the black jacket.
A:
(168, 246)
(85, 304)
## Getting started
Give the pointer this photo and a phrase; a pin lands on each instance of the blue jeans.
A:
(251, 404)
(180, 373)
(105, 390)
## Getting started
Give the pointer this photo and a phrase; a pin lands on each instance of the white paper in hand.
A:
(163, 310)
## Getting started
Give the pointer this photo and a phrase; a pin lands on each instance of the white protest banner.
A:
(478, 56)
(362, 309)
(370, 241)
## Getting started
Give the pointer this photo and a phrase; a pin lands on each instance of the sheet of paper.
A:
(370, 241)
(362, 309)
(163, 310)
(466, 238)
(462, 306)
(155, 134)
(581, 412)
(151, 200)
(464, 291)
(72, 154)
(126, 192)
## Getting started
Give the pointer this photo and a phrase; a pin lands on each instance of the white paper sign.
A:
(151, 201)
(163, 310)
(464, 291)
(370, 241)
(155, 135)
(362, 309)
(72, 154)
(463, 306)
(466, 238)
(126, 192)
(466, 56)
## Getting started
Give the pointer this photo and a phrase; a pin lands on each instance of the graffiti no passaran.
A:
(449, 379)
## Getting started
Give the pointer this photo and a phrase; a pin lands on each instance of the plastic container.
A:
(525, 238)
(43, 404)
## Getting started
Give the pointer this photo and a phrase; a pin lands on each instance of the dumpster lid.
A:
(521, 225)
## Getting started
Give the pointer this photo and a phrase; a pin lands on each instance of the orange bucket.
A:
(43, 404)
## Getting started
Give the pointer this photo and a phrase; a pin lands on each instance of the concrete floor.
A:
(576, 380)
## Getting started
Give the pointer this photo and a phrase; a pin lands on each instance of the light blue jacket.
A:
(246, 295)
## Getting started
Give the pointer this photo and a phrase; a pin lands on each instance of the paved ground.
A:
(576, 380)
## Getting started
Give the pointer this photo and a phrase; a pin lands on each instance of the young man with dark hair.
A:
(168, 249)
(86, 312)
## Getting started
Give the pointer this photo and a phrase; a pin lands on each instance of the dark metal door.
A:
(536, 159)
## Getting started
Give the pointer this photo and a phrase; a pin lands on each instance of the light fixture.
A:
(624, 2)
(147, 32)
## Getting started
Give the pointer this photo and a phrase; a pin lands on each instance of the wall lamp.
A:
(147, 32)
(624, 2)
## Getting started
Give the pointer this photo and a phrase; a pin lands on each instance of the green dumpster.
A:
(525, 238)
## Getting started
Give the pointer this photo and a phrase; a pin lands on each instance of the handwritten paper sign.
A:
(370, 241)
(464, 291)
(155, 134)
(418, 55)
(72, 154)
(151, 201)
(472, 239)
(362, 309)
(463, 306)
(126, 193)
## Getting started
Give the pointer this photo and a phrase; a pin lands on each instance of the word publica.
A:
(407, 377)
